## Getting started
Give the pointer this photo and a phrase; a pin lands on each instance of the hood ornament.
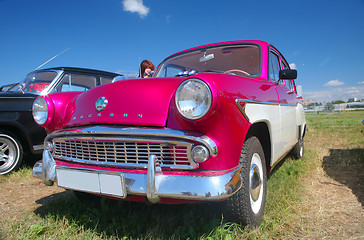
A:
(101, 103)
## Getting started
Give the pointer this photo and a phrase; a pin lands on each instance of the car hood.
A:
(16, 101)
(142, 102)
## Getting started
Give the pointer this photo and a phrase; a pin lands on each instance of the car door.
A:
(287, 103)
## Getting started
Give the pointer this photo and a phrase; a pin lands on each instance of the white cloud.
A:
(362, 82)
(332, 94)
(333, 83)
(136, 6)
(352, 90)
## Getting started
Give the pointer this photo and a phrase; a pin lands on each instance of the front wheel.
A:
(248, 204)
(11, 152)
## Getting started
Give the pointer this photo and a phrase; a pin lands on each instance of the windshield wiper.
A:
(186, 73)
(214, 71)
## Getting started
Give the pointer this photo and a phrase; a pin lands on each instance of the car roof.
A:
(81, 70)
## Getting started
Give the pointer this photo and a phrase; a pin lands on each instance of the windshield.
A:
(36, 82)
(243, 60)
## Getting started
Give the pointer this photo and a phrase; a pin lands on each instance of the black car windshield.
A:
(243, 60)
(36, 82)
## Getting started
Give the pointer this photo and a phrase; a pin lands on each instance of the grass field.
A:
(62, 216)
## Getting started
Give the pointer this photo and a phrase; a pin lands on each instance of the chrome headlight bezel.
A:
(40, 111)
(193, 99)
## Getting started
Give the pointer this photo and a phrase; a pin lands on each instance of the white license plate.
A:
(93, 182)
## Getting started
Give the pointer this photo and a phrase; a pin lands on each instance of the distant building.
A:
(355, 105)
(352, 99)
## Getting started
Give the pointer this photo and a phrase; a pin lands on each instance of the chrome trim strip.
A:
(38, 147)
(242, 109)
(143, 133)
(6, 97)
(288, 105)
(255, 102)
(54, 82)
(263, 102)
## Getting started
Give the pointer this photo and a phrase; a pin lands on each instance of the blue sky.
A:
(325, 39)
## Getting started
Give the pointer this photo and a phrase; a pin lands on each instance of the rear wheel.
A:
(11, 152)
(248, 204)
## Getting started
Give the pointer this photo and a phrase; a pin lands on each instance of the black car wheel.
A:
(248, 204)
(11, 152)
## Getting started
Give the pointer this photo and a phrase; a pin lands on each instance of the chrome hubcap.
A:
(256, 183)
(7, 153)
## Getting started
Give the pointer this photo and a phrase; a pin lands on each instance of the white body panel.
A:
(282, 120)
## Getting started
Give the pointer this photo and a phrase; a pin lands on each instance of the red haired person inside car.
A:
(146, 69)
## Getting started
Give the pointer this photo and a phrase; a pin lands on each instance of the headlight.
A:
(40, 111)
(193, 99)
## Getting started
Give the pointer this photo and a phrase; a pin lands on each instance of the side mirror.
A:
(288, 74)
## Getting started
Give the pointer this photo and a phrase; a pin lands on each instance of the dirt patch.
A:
(21, 197)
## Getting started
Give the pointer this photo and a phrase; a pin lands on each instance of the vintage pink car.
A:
(209, 126)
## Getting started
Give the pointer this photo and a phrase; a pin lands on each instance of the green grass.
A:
(19, 175)
(348, 125)
(64, 217)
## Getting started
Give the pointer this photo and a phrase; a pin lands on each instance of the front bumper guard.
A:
(155, 185)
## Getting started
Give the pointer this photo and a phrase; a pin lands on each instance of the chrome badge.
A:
(101, 103)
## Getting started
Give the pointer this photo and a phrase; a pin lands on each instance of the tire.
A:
(11, 152)
(298, 150)
(247, 205)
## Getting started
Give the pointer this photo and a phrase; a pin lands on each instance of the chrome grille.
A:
(123, 152)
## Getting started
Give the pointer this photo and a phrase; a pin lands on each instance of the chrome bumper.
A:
(155, 185)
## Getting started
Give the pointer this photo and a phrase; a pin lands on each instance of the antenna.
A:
(53, 58)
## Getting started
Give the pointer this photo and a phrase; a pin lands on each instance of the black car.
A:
(18, 131)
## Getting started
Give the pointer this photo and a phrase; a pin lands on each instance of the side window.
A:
(106, 80)
(284, 66)
(172, 70)
(75, 83)
(288, 83)
(274, 66)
